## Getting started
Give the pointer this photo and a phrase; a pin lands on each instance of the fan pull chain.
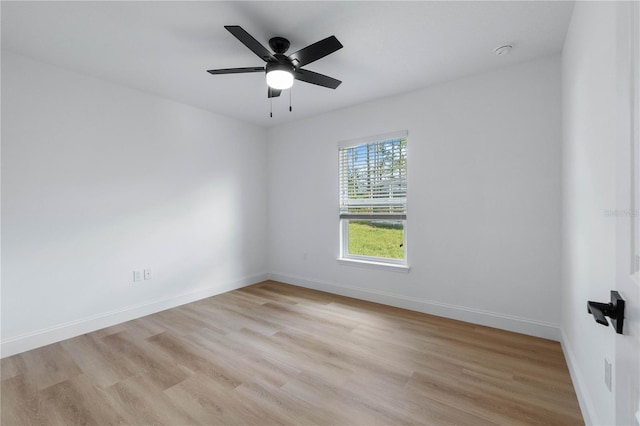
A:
(290, 90)
(271, 107)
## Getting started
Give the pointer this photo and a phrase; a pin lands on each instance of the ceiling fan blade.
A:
(316, 51)
(273, 93)
(315, 78)
(253, 44)
(236, 70)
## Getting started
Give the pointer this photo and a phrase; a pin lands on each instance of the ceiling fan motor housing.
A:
(281, 65)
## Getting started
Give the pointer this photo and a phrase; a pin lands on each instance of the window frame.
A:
(374, 262)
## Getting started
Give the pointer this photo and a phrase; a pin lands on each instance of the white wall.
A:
(99, 180)
(484, 199)
(589, 189)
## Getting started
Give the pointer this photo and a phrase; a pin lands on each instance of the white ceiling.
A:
(164, 48)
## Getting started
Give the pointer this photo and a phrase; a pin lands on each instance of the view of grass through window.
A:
(373, 198)
(376, 238)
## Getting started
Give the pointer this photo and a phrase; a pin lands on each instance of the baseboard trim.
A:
(586, 406)
(46, 336)
(472, 315)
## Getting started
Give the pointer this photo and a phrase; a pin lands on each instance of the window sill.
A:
(374, 265)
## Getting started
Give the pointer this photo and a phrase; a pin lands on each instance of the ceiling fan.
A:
(282, 69)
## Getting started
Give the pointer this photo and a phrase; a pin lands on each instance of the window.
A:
(373, 199)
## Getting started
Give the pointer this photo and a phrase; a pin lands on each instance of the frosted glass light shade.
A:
(279, 79)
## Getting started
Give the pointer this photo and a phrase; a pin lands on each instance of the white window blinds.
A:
(373, 177)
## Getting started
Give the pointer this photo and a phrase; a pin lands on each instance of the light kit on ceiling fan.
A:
(281, 70)
(279, 76)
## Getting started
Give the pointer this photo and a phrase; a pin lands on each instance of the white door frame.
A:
(627, 213)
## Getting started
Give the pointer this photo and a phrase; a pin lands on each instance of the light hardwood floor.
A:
(278, 354)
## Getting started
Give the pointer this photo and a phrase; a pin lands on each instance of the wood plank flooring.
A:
(274, 354)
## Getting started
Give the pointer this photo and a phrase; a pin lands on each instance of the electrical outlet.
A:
(607, 374)
(137, 276)
(147, 274)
